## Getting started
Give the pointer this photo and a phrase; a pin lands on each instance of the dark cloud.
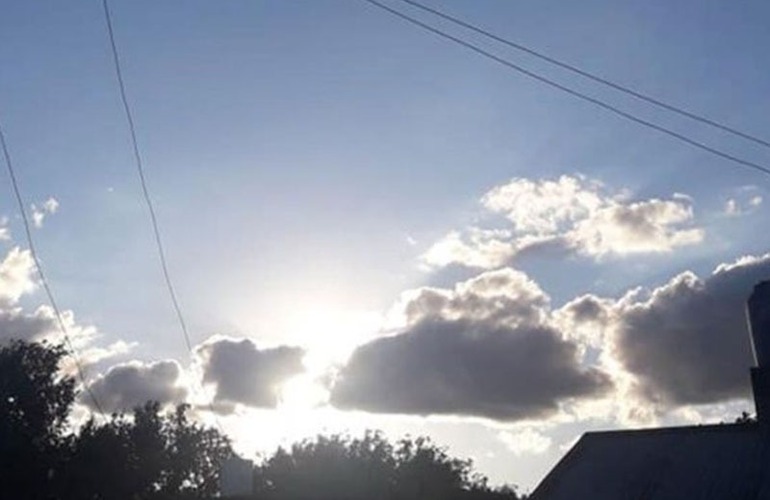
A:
(16, 324)
(485, 349)
(128, 385)
(244, 374)
(586, 308)
(466, 368)
(688, 342)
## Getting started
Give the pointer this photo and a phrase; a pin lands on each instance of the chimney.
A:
(759, 328)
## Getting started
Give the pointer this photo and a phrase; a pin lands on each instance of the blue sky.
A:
(306, 156)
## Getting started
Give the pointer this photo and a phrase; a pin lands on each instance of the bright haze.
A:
(370, 227)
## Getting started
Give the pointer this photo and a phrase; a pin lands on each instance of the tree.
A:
(426, 471)
(746, 418)
(148, 454)
(151, 455)
(100, 462)
(344, 468)
(154, 455)
(195, 455)
(35, 400)
(329, 467)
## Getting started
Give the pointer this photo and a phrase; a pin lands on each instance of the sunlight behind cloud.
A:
(329, 334)
(527, 440)
(301, 394)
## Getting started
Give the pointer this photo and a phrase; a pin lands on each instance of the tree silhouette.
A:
(147, 455)
(344, 468)
(100, 462)
(34, 404)
(152, 455)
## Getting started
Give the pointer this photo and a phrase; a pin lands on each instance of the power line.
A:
(46, 287)
(591, 76)
(142, 179)
(146, 192)
(574, 93)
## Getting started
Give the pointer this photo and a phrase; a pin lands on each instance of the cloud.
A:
(525, 441)
(5, 231)
(42, 325)
(244, 374)
(748, 202)
(486, 348)
(547, 206)
(131, 384)
(15, 324)
(39, 213)
(93, 355)
(682, 343)
(477, 248)
(572, 215)
(687, 342)
(650, 226)
(17, 272)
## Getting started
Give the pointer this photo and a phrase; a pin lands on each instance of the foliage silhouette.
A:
(145, 455)
(153, 455)
(34, 404)
(150, 455)
(344, 468)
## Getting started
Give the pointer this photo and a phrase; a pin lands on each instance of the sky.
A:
(370, 227)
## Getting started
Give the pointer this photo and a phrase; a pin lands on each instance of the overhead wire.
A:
(591, 76)
(43, 280)
(142, 178)
(575, 93)
(146, 192)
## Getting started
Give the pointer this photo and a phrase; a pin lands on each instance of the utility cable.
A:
(143, 180)
(591, 76)
(608, 107)
(146, 193)
(43, 280)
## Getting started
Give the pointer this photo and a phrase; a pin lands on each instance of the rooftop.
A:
(730, 461)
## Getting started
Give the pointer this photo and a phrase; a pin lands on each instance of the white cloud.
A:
(735, 207)
(650, 226)
(569, 214)
(93, 355)
(17, 272)
(731, 207)
(525, 441)
(477, 248)
(5, 231)
(39, 213)
(545, 207)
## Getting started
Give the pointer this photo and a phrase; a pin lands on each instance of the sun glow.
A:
(329, 336)
(302, 393)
